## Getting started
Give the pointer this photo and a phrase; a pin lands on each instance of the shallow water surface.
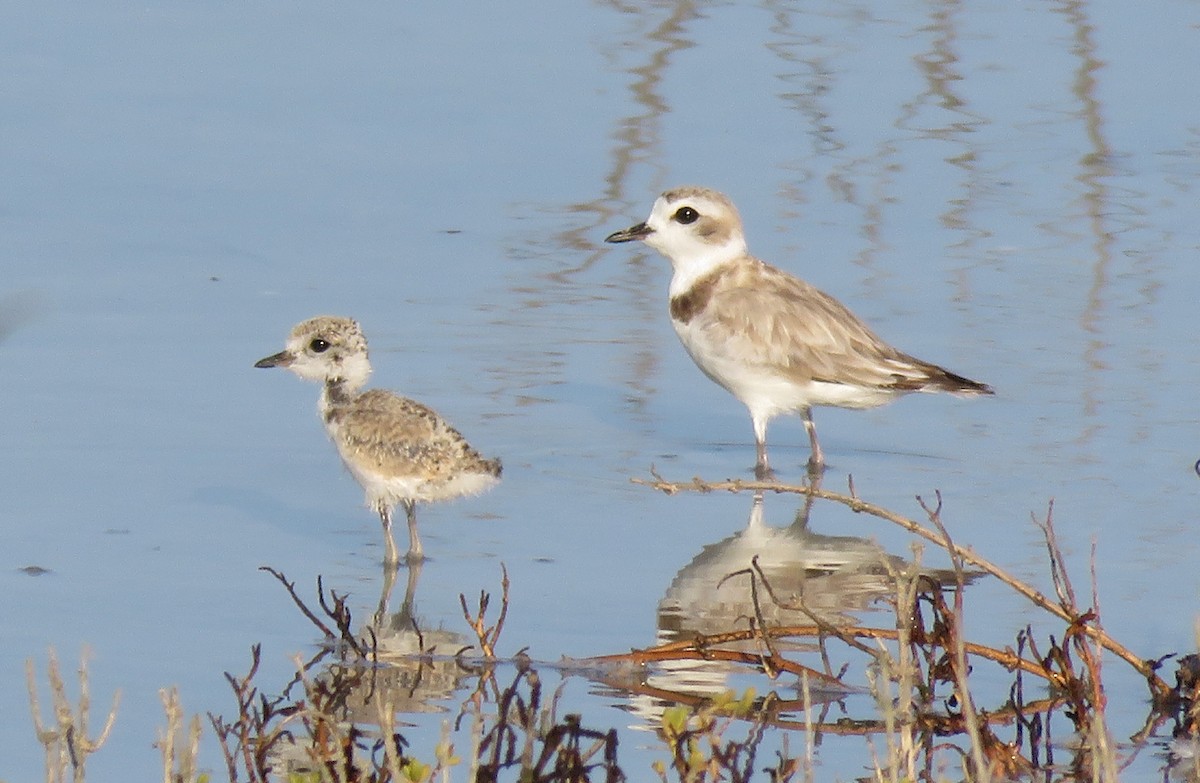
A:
(1008, 190)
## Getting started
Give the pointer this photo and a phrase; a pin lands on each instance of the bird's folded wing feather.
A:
(396, 435)
(769, 318)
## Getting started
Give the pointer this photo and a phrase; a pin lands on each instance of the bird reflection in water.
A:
(837, 578)
(417, 671)
(409, 670)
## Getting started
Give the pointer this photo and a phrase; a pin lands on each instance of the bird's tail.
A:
(942, 380)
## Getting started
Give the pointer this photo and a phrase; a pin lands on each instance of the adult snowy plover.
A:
(773, 341)
(400, 451)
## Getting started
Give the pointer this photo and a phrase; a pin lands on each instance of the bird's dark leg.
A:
(816, 463)
(391, 556)
(762, 469)
(415, 553)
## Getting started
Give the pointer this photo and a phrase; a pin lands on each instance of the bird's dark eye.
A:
(686, 215)
(318, 345)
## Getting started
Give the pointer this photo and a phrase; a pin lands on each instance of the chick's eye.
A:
(686, 215)
(318, 345)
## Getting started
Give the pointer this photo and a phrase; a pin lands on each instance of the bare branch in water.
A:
(487, 636)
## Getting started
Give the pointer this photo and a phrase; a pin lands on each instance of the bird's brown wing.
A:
(398, 436)
(768, 318)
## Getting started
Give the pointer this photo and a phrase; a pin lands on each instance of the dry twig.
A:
(487, 636)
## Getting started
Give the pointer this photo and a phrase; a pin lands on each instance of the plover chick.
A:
(772, 340)
(399, 450)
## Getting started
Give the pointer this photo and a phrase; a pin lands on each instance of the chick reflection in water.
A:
(416, 663)
(408, 669)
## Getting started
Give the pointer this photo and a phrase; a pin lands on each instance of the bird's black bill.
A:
(281, 359)
(640, 231)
